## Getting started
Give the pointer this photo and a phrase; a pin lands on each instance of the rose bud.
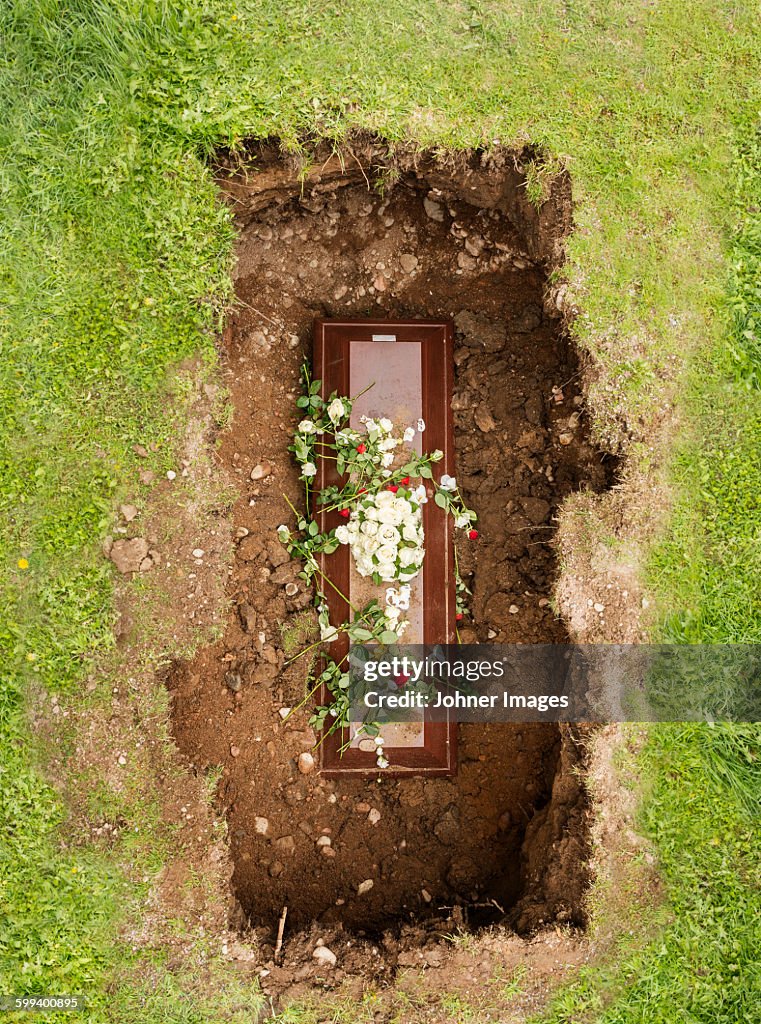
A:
(345, 513)
(459, 616)
(473, 534)
(361, 449)
(393, 488)
(405, 480)
(401, 680)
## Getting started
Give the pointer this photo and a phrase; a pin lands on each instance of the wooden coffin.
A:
(410, 365)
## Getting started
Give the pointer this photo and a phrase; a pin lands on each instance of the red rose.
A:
(345, 513)
(401, 680)
(361, 449)
(459, 616)
(405, 480)
(473, 534)
(393, 488)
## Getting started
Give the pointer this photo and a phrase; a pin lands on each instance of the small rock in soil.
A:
(291, 589)
(408, 262)
(484, 419)
(433, 210)
(129, 512)
(324, 841)
(247, 617)
(276, 869)
(565, 439)
(241, 532)
(198, 552)
(147, 476)
(365, 886)
(465, 262)
(138, 449)
(325, 955)
(261, 825)
(261, 471)
(374, 816)
(234, 751)
(233, 682)
(127, 555)
(306, 763)
(286, 844)
(480, 332)
(362, 808)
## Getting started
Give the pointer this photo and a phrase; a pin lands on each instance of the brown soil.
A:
(506, 837)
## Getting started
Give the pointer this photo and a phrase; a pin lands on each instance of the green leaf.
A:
(388, 637)
(314, 529)
(440, 500)
(302, 402)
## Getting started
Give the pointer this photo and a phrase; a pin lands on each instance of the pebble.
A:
(365, 886)
(122, 759)
(374, 816)
(513, 609)
(260, 471)
(198, 552)
(129, 512)
(171, 474)
(306, 763)
(241, 532)
(291, 589)
(324, 841)
(408, 262)
(234, 751)
(325, 955)
(284, 712)
(565, 438)
(362, 808)
(432, 209)
(484, 419)
(599, 607)
(426, 895)
(380, 283)
(261, 825)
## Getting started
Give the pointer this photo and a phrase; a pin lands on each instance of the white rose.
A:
(392, 614)
(389, 517)
(370, 545)
(371, 513)
(388, 534)
(308, 469)
(307, 427)
(384, 498)
(336, 411)
(387, 445)
(421, 425)
(420, 495)
(410, 556)
(409, 433)
(461, 522)
(386, 554)
(402, 506)
(387, 459)
(409, 532)
(369, 527)
(448, 483)
(342, 534)
(385, 424)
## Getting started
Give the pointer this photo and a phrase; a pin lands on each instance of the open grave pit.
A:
(367, 234)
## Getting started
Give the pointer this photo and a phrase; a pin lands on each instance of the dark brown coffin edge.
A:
(438, 755)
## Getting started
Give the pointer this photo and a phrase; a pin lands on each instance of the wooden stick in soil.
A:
(280, 930)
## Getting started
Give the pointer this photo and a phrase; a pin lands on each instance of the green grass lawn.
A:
(115, 266)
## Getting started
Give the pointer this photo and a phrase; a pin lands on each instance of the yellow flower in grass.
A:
(23, 563)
